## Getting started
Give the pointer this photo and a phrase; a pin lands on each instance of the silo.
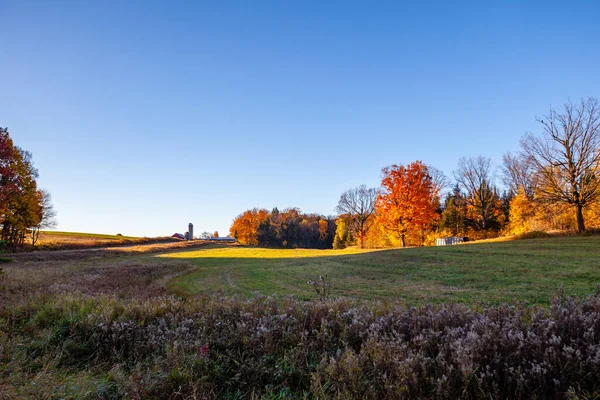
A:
(191, 231)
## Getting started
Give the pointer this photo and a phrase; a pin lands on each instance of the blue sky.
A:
(145, 116)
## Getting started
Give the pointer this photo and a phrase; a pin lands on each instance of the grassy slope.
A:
(55, 240)
(83, 235)
(504, 271)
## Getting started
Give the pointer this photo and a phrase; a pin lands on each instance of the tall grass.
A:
(233, 347)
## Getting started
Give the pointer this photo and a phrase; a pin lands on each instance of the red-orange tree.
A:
(408, 200)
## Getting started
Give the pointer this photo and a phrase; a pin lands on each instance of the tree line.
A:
(289, 228)
(24, 208)
(552, 183)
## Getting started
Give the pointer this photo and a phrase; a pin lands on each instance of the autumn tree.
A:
(289, 228)
(475, 177)
(21, 203)
(358, 204)
(216, 234)
(521, 213)
(46, 216)
(407, 202)
(566, 157)
(245, 226)
(342, 234)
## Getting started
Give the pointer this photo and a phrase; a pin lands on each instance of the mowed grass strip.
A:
(525, 270)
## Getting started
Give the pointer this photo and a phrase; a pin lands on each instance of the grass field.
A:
(529, 270)
(56, 240)
(104, 323)
(83, 235)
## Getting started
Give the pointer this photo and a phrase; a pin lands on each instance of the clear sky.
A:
(145, 116)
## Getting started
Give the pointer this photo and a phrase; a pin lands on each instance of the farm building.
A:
(451, 240)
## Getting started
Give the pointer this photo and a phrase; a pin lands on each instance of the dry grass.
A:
(127, 272)
(103, 252)
(52, 240)
(89, 324)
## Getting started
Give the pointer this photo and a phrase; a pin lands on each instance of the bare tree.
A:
(47, 216)
(517, 173)
(439, 180)
(475, 175)
(359, 204)
(566, 158)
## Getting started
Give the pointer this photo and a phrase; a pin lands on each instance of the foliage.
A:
(289, 228)
(521, 213)
(343, 237)
(454, 217)
(245, 226)
(532, 235)
(21, 203)
(408, 201)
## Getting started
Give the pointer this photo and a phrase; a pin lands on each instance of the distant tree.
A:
(323, 229)
(358, 204)
(245, 227)
(408, 200)
(438, 179)
(454, 217)
(566, 157)
(517, 173)
(521, 212)
(342, 234)
(46, 216)
(475, 177)
(216, 234)
(205, 235)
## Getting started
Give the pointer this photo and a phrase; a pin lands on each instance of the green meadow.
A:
(523, 270)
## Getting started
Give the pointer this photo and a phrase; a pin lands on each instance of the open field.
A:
(82, 235)
(528, 270)
(105, 323)
(56, 240)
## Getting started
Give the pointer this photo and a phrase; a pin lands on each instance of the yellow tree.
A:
(521, 213)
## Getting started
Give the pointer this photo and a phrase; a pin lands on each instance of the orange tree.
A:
(245, 226)
(408, 202)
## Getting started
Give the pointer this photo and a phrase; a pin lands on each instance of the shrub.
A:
(532, 235)
(284, 348)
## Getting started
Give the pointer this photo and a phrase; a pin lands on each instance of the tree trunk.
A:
(580, 223)
(402, 238)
